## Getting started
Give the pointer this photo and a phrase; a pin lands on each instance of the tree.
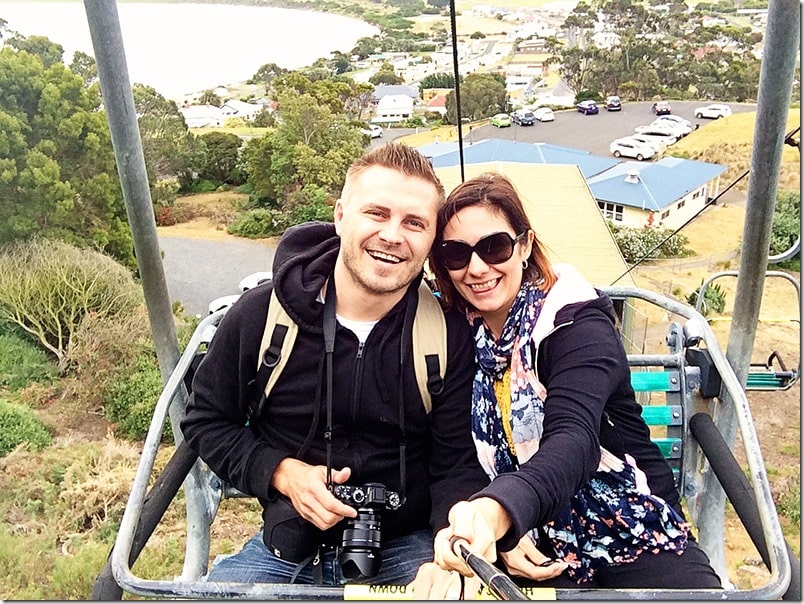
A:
(166, 142)
(222, 157)
(57, 170)
(386, 75)
(266, 74)
(84, 66)
(208, 97)
(482, 95)
(49, 52)
(437, 80)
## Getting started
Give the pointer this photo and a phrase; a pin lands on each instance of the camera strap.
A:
(329, 327)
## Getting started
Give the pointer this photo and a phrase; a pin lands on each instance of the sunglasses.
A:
(492, 249)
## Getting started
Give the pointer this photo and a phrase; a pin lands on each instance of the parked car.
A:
(662, 108)
(658, 143)
(659, 130)
(627, 147)
(713, 111)
(613, 103)
(501, 120)
(588, 107)
(373, 130)
(254, 279)
(677, 119)
(680, 130)
(544, 114)
(523, 117)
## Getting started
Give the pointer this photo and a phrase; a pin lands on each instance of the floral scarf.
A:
(613, 517)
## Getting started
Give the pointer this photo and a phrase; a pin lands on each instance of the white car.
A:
(676, 119)
(373, 130)
(544, 114)
(658, 143)
(222, 302)
(682, 128)
(628, 147)
(713, 111)
(659, 130)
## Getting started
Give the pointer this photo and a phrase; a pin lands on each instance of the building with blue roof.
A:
(444, 155)
(664, 194)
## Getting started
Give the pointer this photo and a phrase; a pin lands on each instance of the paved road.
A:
(198, 271)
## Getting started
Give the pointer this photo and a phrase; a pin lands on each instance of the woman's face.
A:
(490, 288)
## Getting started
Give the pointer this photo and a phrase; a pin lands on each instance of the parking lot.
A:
(591, 133)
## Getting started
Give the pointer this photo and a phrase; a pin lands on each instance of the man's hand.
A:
(525, 560)
(306, 487)
(479, 523)
(433, 583)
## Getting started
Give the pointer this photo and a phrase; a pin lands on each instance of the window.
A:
(681, 204)
(697, 194)
(612, 211)
(665, 214)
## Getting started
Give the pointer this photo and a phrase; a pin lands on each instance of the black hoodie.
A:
(441, 464)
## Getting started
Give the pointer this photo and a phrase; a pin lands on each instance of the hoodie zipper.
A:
(357, 379)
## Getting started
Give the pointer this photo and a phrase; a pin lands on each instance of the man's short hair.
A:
(401, 157)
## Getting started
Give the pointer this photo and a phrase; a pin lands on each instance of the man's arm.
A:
(455, 471)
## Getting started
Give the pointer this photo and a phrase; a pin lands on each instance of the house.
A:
(636, 194)
(563, 214)
(241, 109)
(383, 90)
(438, 104)
(393, 108)
(664, 194)
(495, 149)
(202, 116)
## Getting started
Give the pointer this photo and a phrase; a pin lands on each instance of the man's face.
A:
(386, 221)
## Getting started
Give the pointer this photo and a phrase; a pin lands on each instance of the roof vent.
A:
(632, 176)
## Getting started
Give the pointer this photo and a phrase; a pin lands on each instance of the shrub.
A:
(637, 244)
(714, 299)
(260, 222)
(132, 399)
(21, 362)
(19, 424)
(48, 287)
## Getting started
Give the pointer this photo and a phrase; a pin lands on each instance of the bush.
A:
(260, 222)
(48, 287)
(636, 244)
(714, 299)
(21, 363)
(19, 424)
(133, 397)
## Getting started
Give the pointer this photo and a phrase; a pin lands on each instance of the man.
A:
(371, 423)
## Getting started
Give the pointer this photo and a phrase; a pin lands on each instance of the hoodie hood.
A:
(303, 261)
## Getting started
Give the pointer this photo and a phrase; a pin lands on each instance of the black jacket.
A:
(590, 403)
(441, 464)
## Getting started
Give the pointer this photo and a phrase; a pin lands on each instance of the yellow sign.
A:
(405, 592)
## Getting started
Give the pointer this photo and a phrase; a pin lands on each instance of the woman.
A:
(579, 496)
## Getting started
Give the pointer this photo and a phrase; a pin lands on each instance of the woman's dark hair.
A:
(497, 193)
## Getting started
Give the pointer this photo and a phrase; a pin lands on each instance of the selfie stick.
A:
(498, 582)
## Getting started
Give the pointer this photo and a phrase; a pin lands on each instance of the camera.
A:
(359, 554)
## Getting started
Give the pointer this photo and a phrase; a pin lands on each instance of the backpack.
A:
(429, 349)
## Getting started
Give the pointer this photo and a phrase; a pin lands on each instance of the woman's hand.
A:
(525, 560)
(433, 583)
(479, 524)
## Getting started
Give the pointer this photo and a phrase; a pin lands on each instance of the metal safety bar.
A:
(188, 587)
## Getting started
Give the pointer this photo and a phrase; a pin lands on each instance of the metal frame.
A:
(696, 329)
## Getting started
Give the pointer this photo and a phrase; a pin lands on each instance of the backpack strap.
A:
(277, 342)
(429, 346)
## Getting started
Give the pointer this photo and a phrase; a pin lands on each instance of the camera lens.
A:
(359, 556)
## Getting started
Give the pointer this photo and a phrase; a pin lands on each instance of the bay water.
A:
(184, 48)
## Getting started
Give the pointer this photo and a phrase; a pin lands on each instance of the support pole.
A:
(773, 104)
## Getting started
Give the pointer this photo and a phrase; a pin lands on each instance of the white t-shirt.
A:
(361, 329)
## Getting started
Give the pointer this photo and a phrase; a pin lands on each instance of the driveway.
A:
(199, 270)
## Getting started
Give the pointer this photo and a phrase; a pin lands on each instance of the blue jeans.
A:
(401, 558)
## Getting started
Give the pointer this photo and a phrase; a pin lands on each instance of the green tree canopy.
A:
(482, 95)
(57, 169)
(386, 75)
